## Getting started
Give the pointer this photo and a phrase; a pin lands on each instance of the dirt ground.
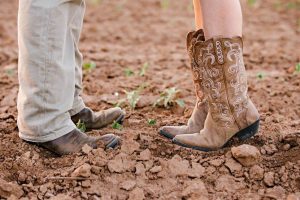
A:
(121, 35)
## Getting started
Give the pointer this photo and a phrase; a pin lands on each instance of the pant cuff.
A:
(77, 108)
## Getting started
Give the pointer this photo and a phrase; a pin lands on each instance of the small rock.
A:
(195, 190)
(145, 155)
(121, 163)
(276, 192)
(82, 171)
(233, 166)
(115, 165)
(86, 149)
(246, 154)
(10, 189)
(286, 147)
(269, 179)
(128, 185)
(86, 183)
(256, 173)
(156, 169)
(137, 194)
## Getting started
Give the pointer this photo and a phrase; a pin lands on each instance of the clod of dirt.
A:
(145, 155)
(128, 185)
(269, 179)
(178, 166)
(130, 146)
(10, 189)
(86, 149)
(120, 163)
(197, 170)
(246, 154)
(228, 183)
(256, 173)
(216, 162)
(156, 169)
(61, 197)
(140, 169)
(82, 171)
(137, 194)
(276, 192)
(234, 167)
(195, 190)
(295, 196)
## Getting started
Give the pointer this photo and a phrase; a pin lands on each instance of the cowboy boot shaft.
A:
(224, 79)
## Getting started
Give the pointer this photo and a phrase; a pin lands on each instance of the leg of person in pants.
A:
(47, 76)
(92, 120)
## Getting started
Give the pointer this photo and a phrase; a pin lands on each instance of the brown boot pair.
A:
(75, 140)
(221, 84)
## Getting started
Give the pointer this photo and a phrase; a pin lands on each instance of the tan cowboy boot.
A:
(231, 112)
(99, 119)
(75, 140)
(196, 121)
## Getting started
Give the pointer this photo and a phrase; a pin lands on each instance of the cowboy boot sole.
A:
(166, 134)
(241, 135)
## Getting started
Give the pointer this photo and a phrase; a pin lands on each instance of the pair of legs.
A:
(223, 109)
(50, 77)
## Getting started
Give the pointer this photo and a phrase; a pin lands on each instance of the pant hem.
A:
(48, 137)
(77, 108)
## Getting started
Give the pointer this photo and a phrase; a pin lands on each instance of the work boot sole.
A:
(242, 135)
(113, 143)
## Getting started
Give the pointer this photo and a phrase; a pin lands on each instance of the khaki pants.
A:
(50, 73)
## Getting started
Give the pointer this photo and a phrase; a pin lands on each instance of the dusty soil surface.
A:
(121, 35)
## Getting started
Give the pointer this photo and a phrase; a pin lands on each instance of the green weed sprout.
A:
(132, 97)
(297, 68)
(251, 2)
(88, 66)
(144, 69)
(260, 75)
(117, 126)
(81, 126)
(128, 72)
(151, 122)
(164, 4)
(168, 98)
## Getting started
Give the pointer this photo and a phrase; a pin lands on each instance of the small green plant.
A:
(81, 126)
(128, 72)
(151, 122)
(168, 98)
(297, 68)
(144, 69)
(132, 97)
(260, 75)
(10, 72)
(117, 126)
(88, 66)
(251, 2)
(164, 4)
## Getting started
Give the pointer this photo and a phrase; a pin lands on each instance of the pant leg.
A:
(46, 68)
(76, 28)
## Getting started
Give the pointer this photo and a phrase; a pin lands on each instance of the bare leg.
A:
(222, 18)
(198, 14)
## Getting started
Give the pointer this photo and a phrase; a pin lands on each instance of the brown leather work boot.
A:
(196, 121)
(231, 112)
(75, 140)
(100, 119)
